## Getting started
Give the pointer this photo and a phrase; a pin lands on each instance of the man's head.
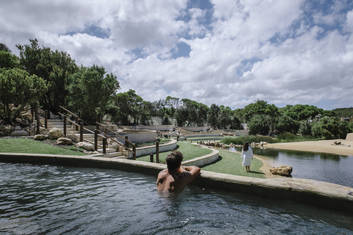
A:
(174, 161)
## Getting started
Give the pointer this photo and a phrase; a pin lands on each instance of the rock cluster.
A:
(55, 133)
(282, 170)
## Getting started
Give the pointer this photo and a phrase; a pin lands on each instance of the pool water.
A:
(320, 166)
(58, 200)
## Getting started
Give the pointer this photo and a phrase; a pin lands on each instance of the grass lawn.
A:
(188, 150)
(24, 145)
(231, 164)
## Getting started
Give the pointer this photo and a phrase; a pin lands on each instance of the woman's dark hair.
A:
(246, 147)
(174, 161)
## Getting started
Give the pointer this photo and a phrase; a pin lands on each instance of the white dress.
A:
(247, 156)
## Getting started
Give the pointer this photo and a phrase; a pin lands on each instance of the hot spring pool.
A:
(56, 200)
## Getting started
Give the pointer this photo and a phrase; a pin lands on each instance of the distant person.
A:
(176, 177)
(247, 156)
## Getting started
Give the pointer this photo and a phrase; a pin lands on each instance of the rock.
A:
(55, 133)
(64, 141)
(73, 137)
(282, 170)
(85, 146)
(349, 137)
(19, 132)
(6, 130)
(40, 137)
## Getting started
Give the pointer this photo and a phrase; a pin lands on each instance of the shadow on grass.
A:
(257, 172)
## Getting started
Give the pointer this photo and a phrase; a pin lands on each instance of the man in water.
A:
(176, 177)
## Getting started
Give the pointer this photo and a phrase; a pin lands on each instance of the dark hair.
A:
(246, 147)
(174, 161)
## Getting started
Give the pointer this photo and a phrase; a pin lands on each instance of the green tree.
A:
(53, 66)
(3, 47)
(213, 115)
(18, 89)
(287, 124)
(131, 108)
(8, 60)
(259, 124)
(90, 92)
(330, 128)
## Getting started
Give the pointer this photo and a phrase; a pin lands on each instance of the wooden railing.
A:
(100, 132)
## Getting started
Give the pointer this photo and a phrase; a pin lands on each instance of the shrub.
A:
(247, 139)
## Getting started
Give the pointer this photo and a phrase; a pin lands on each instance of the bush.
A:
(259, 124)
(247, 139)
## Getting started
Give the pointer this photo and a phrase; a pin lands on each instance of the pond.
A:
(56, 200)
(319, 166)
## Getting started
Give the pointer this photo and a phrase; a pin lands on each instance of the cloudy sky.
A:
(230, 52)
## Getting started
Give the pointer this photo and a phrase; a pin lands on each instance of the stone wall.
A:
(203, 160)
(138, 137)
(143, 151)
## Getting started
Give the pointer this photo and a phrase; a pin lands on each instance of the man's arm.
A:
(194, 170)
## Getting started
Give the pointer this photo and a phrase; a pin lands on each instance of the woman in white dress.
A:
(247, 155)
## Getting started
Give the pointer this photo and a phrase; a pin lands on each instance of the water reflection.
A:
(320, 166)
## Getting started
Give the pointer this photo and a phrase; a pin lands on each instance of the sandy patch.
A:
(320, 146)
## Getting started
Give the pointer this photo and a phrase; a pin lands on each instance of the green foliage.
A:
(131, 109)
(301, 112)
(8, 60)
(248, 139)
(330, 128)
(18, 88)
(259, 124)
(305, 128)
(3, 47)
(287, 124)
(90, 90)
(53, 66)
(343, 112)
(213, 114)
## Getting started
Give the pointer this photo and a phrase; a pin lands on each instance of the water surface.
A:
(331, 168)
(64, 200)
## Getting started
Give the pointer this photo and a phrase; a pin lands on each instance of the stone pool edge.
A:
(314, 192)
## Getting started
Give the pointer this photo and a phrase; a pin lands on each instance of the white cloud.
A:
(232, 63)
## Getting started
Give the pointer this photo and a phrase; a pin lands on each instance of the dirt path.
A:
(321, 146)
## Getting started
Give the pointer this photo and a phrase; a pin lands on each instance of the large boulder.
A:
(40, 137)
(85, 146)
(282, 170)
(349, 137)
(64, 141)
(55, 133)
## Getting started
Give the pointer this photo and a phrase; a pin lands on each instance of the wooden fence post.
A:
(95, 139)
(81, 130)
(46, 119)
(157, 151)
(65, 125)
(134, 151)
(104, 145)
(151, 157)
(126, 141)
